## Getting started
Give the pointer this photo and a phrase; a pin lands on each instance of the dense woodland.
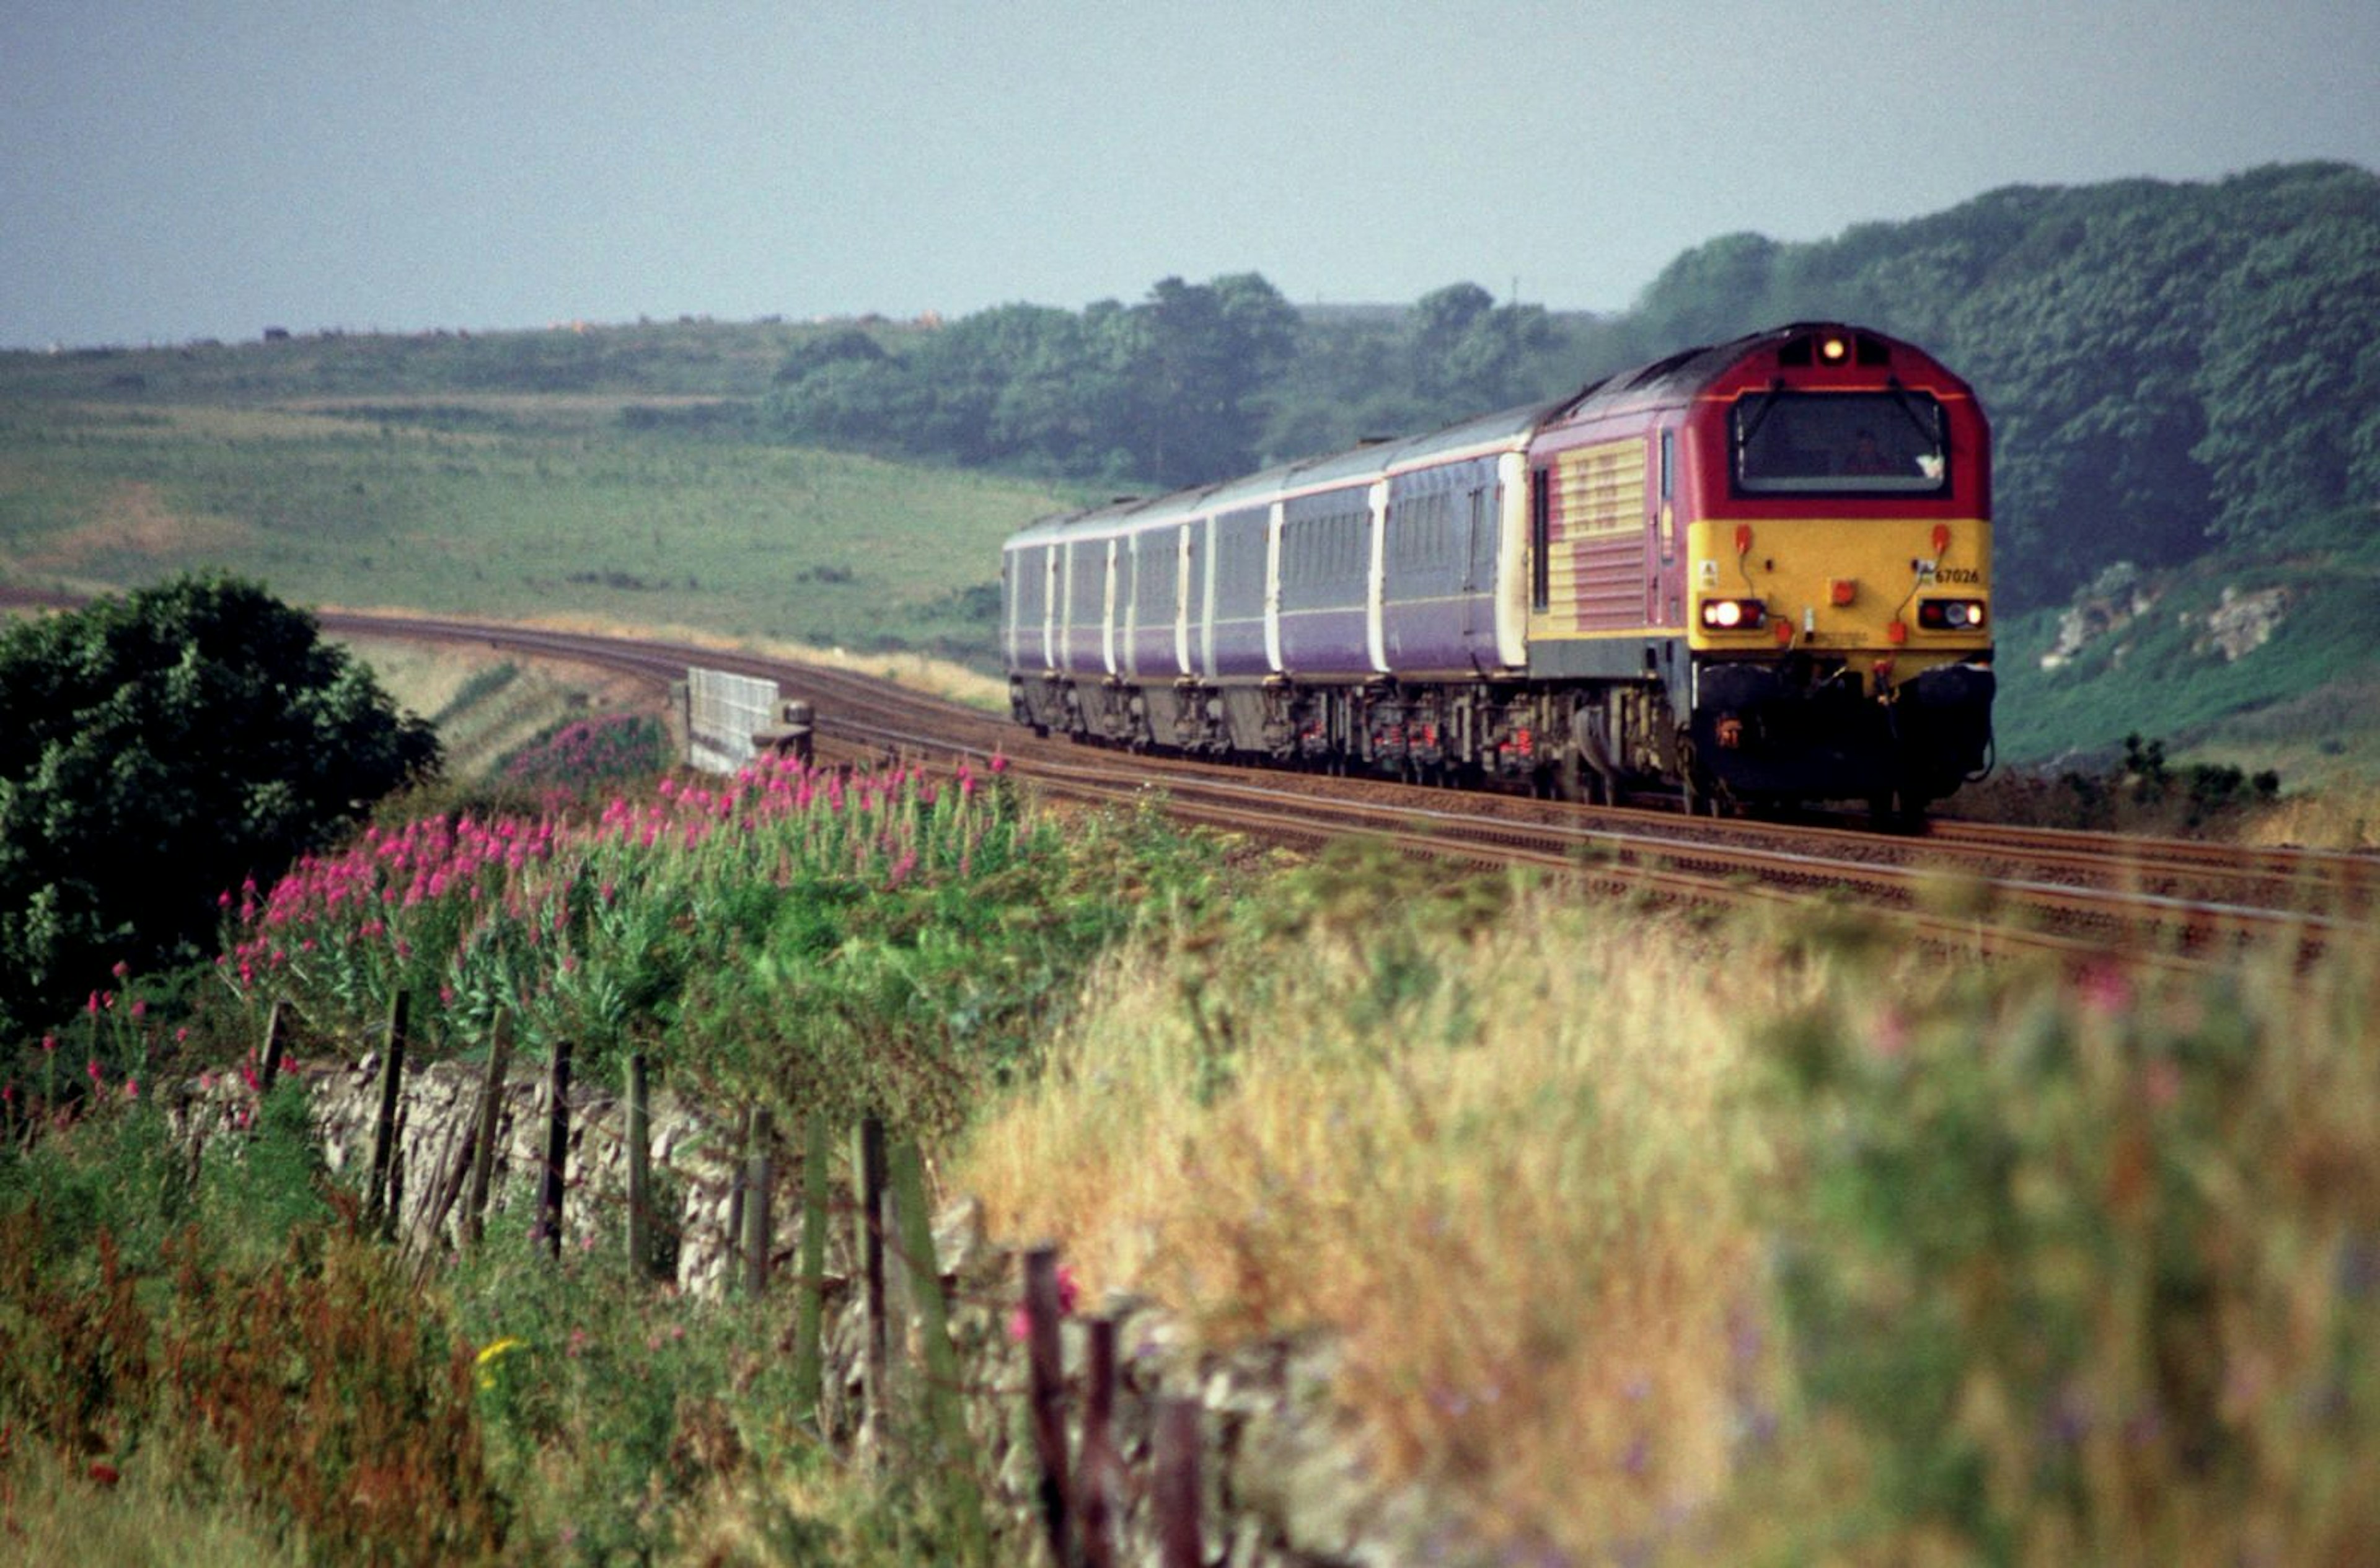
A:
(2165, 365)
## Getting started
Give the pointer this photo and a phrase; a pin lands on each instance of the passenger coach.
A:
(1758, 571)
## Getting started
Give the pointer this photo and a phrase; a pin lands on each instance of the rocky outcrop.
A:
(2117, 597)
(2242, 623)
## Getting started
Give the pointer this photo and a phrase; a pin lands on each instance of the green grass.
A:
(2295, 697)
(666, 360)
(510, 506)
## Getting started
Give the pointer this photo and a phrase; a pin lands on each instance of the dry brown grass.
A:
(1507, 1165)
(2343, 814)
(133, 520)
(64, 1514)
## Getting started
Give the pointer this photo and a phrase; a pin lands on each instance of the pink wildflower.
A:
(2105, 989)
(1020, 1322)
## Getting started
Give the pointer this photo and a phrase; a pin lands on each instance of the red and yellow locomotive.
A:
(1758, 571)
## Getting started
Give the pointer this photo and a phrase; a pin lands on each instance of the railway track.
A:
(1972, 886)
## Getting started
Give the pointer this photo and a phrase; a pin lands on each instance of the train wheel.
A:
(1897, 812)
(1573, 780)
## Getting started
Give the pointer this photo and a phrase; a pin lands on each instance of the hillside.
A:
(435, 493)
(2180, 378)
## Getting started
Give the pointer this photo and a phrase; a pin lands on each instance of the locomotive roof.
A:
(1506, 427)
(1679, 376)
(1675, 379)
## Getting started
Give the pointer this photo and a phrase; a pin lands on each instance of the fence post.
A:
(1047, 1389)
(1175, 1485)
(557, 1149)
(943, 1414)
(276, 1034)
(809, 1374)
(758, 1221)
(1100, 1468)
(384, 1147)
(483, 1144)
(877, 1360)
(641, 1175)
(731, 1276)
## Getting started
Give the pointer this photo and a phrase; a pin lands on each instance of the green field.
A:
(430, 490)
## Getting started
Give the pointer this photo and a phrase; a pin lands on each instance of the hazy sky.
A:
(202, 168)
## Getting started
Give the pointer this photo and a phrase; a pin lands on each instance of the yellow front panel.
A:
(1878, 569)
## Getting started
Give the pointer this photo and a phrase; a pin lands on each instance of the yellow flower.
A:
(485, 1361)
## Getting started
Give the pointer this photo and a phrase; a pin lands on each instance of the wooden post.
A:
(1100, 1473)
(1046, 1391)
(732, 1273)
(877, 1350)
(943, 1414)
(1175, 1485)
(483, 1144)
(758, 1221)
(383, 1146)
(557, 1149)
(455, 1158)
(640, 1174)
(810, 1372)
(276, 1036)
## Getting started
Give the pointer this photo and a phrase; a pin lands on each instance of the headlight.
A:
(1733, 614)
(1950, 615)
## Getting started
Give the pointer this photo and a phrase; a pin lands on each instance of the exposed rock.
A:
(2116, 598)
(2242, 623)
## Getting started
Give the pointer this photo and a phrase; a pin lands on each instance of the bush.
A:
(2087, 1264)
(159, 749)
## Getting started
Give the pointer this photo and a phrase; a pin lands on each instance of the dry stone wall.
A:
(1281, 1483)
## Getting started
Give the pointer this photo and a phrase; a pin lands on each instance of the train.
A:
(1751, 575)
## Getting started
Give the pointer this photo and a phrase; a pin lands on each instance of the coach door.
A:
(1663, 583)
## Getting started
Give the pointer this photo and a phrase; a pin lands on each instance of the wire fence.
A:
(913, 1394)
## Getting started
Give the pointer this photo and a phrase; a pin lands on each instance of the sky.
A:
(203, 169)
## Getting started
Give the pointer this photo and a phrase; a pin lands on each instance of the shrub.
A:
(2087, 1263)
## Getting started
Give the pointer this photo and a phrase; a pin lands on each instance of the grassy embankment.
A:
(1642, 1236)
(406, 473)
(2302, 702)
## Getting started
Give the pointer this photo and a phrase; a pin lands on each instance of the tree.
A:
(1472, 356)
(160, 749)
(2291, 375)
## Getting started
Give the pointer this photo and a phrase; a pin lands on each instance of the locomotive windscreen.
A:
(1865, 443)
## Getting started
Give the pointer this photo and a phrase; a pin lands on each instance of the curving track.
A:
(1972, 886)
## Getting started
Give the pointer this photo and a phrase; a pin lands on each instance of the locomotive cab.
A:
(1840, 572)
